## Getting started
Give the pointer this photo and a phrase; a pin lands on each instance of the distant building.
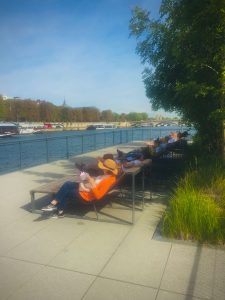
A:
(4, 97)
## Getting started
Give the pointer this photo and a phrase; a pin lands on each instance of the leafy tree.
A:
(116, 117)
(91, 114)
(22, 110)
(184, 56)
(133, 116)
(96, 114)
(79, 114)
(46, 111)
(107, 116)
(144, 116)
(2, 109)
(123, 117)
(7, 110)
(30, 111)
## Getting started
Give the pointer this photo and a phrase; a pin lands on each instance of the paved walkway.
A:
(78, 259)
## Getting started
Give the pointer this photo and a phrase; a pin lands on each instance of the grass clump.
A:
(196, 209)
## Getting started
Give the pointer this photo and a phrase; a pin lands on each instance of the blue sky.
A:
(77, 50)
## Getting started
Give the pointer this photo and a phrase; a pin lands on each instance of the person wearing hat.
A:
(92, 167)
(98, 187)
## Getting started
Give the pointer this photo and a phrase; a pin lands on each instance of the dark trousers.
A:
(69, 190)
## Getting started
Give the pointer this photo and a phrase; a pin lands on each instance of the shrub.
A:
(197, 207)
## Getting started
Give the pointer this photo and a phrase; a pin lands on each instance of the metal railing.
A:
(22, 154)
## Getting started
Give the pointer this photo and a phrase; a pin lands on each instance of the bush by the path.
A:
(197, 207)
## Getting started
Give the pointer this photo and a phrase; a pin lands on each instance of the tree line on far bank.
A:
(20, 110)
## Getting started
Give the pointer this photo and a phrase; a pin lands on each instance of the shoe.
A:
(49, 207)
(58, 214)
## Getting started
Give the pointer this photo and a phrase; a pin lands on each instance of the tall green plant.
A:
(197, 208)
(193, 215)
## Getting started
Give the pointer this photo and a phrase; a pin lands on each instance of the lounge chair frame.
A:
(53, 187)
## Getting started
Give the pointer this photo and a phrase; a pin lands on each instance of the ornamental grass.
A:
(196, 209)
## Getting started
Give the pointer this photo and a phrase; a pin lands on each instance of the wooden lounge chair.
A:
(53, 187)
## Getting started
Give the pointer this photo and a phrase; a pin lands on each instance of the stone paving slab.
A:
(91, 250)
(20, 231)
(190, 270)
(165, 295)
(48, 242)
(219, 280)
(117, 290)
(141, 262)
(13, 274)
(146, 225)
(51, 283)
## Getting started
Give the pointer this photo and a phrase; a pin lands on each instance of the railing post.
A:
(82, 144)
(47, 158)
(67, 148)
(95, 144)
(20, 154)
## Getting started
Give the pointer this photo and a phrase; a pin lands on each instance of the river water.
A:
(22, 151)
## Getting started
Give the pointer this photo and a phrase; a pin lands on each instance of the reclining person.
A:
(154, 148)
(139, 154)
(94, 188)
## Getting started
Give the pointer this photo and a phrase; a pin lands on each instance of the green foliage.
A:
(2, 109)
(197, 208)
(35, 111)
(133, 116)
(183, 53)
(107, 115)
(193, 215)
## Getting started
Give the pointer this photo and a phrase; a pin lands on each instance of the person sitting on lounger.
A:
(97, 188)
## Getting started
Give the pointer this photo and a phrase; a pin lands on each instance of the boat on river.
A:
(101, 126)
(30, 128)
(8, 129)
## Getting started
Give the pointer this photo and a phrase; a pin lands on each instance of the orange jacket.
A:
(100, 190)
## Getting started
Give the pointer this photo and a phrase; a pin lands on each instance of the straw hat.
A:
(108, 164)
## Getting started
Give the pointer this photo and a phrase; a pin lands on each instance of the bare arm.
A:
(91, 181)
(83, 188)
